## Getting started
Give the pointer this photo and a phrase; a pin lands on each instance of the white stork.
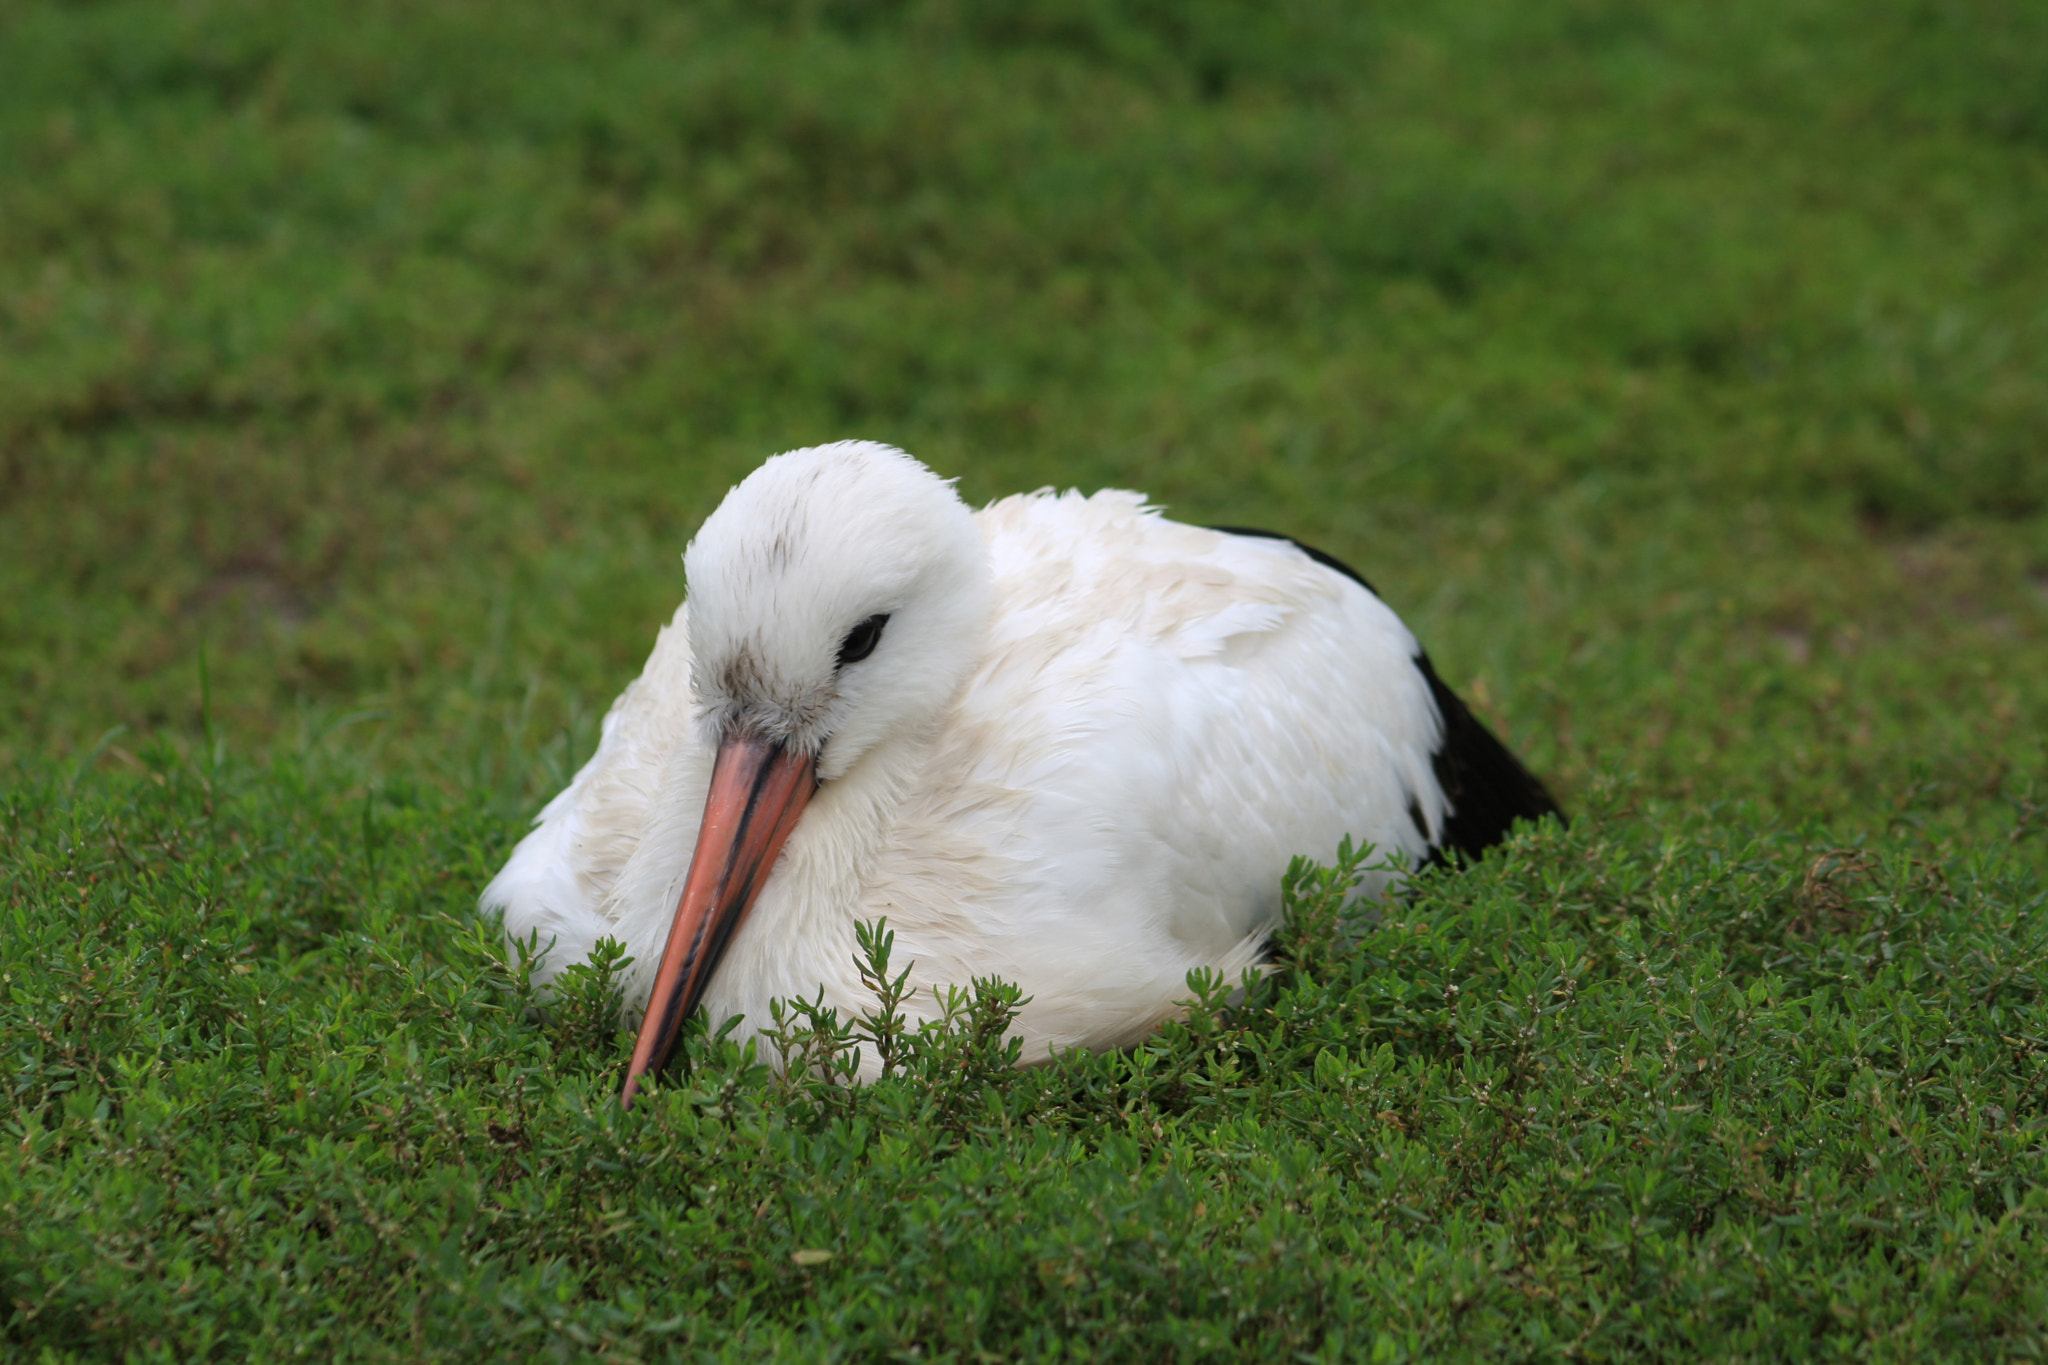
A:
(1062, 741)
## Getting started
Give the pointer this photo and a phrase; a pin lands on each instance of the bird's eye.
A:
(862, 639)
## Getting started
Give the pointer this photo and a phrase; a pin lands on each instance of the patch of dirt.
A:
(1797, 645)
(264, 597)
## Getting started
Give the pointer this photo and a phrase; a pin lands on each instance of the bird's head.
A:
(836, 596)
(836, 601)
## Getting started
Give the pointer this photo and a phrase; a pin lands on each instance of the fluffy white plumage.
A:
(1079, 759)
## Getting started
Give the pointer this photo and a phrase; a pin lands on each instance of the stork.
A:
(1062, 741)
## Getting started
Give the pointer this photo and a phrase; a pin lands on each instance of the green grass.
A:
(1654, 1088)
(1680, 372)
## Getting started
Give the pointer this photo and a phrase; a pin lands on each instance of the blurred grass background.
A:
(1679, 371)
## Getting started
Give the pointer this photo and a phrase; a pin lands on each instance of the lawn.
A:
(1680, 372)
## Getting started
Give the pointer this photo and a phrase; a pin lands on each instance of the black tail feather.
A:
(1486, 787)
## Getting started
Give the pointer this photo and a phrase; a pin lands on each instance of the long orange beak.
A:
(758, 789)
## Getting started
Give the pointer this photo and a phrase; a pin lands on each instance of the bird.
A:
(1062, 741)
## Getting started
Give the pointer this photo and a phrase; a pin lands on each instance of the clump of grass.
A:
(959, 1049)
(582, 1014)
(1666, 1083)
